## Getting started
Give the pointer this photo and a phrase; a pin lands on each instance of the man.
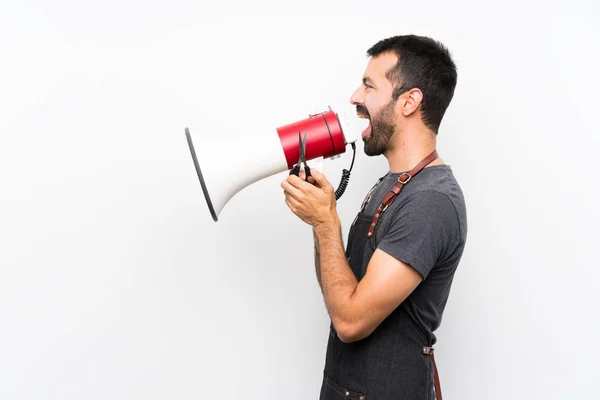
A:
(385, 294)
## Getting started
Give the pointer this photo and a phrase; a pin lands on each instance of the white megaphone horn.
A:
(226, 165)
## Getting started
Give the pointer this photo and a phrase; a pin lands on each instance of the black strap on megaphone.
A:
(345, 176)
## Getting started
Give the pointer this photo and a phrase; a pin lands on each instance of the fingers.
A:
(310, 179)
(297, 191)
(320, 179)
(317, 176)
(290, 204)
(290, 189)
(298, 182)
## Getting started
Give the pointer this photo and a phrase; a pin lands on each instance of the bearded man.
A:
(386, 291)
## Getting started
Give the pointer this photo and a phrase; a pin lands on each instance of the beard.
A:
(383, 127)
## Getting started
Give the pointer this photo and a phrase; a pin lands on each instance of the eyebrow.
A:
(367, 79)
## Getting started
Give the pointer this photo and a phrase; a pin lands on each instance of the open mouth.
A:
(367, 123)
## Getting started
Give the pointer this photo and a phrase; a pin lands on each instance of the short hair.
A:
(423, 63)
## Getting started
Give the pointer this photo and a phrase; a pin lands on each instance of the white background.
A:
(115, 282)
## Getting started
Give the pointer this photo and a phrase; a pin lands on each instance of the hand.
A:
(313, 201)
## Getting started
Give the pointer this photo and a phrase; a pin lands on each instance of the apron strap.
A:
(403, 179)
(436, 376)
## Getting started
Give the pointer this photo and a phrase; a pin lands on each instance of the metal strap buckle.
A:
(427, 350)
(384, 208)
(406, 180)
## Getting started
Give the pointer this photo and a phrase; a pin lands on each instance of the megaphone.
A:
(225, 165)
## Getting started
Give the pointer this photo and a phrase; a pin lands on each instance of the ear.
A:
(410, 101)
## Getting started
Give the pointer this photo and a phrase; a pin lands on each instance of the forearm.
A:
(317, 259)
(337, 280)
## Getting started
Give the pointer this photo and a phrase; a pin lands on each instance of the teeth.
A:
(362, 125)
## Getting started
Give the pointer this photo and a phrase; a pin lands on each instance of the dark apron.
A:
(394, 362)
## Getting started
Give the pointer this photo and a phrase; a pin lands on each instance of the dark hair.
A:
(423, 63)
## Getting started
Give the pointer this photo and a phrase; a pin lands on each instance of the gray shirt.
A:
(426, 228)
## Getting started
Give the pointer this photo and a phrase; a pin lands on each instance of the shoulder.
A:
(430, 208)
(426, 210)
(422, 231)
(435, 190)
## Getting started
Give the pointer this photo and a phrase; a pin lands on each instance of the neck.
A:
(410, 149)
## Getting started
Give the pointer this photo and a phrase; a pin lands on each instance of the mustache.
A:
(360, 110)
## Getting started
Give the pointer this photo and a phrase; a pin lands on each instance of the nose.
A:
(357, 97)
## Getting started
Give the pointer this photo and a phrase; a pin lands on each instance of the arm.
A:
(317, 259)
(356, 309)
